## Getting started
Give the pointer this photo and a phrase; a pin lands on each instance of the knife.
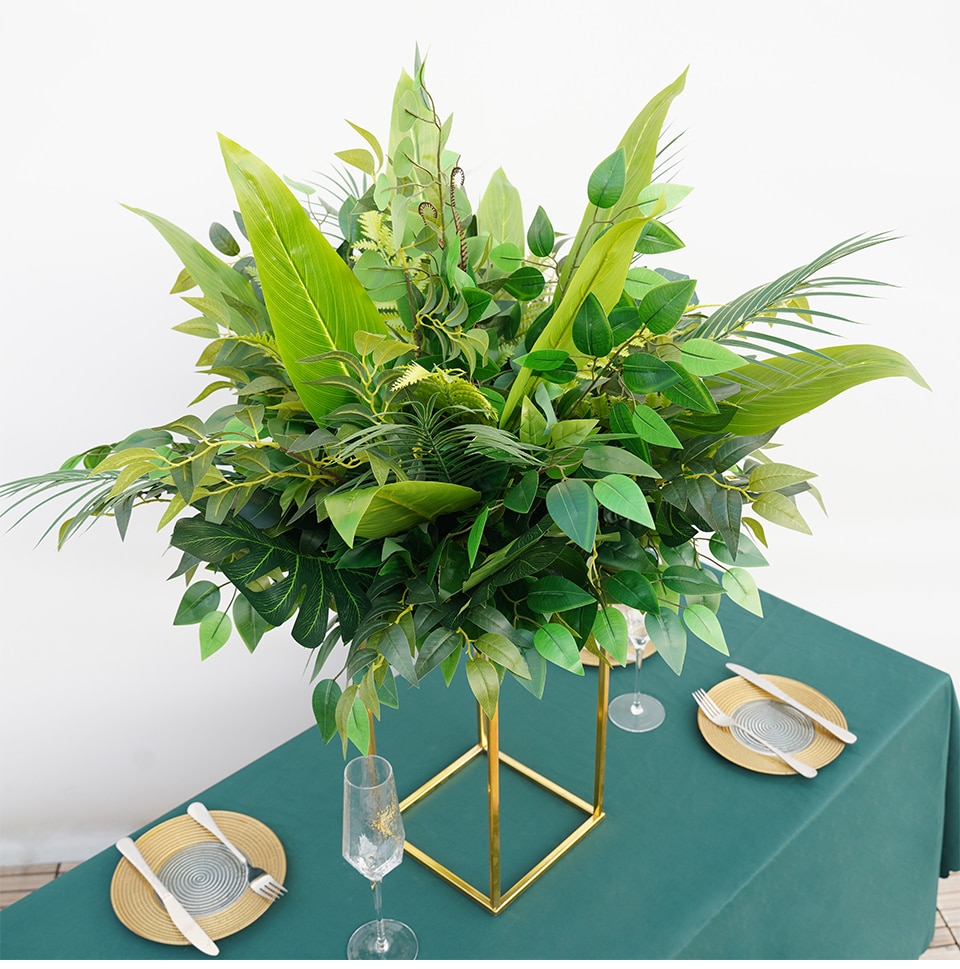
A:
(757, 680)
(181, 917)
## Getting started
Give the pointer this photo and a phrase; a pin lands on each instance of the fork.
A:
(721, 719)
(260, 881)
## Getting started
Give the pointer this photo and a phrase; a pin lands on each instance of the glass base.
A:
(401, 943)
(627, 714)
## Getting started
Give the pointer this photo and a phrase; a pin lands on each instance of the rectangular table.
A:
(697, 857)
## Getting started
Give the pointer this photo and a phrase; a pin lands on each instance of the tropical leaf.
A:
(778, 392)
(316, 304)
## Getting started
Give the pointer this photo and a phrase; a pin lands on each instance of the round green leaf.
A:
(223, 240)
(525, 283)
(555, 643)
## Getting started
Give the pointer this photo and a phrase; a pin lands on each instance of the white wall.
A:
(804, 124)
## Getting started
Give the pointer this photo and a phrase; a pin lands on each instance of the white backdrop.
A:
(802, 125)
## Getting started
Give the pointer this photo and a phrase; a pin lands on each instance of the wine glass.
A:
(636, 712)
(373, 844)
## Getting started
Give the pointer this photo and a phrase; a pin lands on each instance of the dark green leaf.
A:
(591, 330)
(554, 593)
(689, 580)
(624, 321)
(607, 180)
(199, 599)
(484, 683)
(520, 497)
(727, 509)
(326, 694)
(525, 283)
(540, 235)
(662, 306)
(542, 361)
(610, 632)
(689, 391)
(644, 373)
(657, 237)
(631, 589)
(222, 239)
(438, 645)
(395, 646)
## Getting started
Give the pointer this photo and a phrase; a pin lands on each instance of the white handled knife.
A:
(182, 919)
(757, 680)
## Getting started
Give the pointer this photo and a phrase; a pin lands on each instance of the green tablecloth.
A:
(697, 858)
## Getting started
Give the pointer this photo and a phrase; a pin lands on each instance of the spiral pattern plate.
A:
(209, 882)
(776, 722)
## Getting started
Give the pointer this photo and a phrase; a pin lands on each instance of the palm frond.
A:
(767, 302)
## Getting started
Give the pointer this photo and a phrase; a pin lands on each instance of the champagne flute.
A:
(636, 712)
(373, 843)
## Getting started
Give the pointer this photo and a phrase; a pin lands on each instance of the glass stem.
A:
(637, 706)
(378, 903)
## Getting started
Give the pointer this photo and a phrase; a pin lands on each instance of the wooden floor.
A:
(19, 880)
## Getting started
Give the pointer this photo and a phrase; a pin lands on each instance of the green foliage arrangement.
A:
(457, 438)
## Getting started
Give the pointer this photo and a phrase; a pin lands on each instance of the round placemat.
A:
(777, 722)
(201, 873)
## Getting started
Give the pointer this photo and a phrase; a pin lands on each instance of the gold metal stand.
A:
(488, 743)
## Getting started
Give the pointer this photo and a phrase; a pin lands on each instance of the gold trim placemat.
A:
(137, 905)
(733, 693)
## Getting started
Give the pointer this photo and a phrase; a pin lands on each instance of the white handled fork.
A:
(721, 719)
(260, 881)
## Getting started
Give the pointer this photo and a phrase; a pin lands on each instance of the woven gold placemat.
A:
(137, 905)
(732, 693)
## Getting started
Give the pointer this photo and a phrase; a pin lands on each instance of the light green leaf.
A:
(211, 274)
(501, 650)
(388, 509)
(484, 683)
(358, 726)
(774, 477)
(780, 391)
(701, 621)
(215, 629)
(705, 358)
(652, 428)
(617, 460)
(250, 624)
(689, 391)
(739, 584)
(780, 510)
(359, 158)
(670, 637)
(643, 373)
(555, 643)
(622, 496)
(610, 632)
(476, 534)
(316, 304)
(500, 212)
(602, 273)
(521, 496)
(573, 508)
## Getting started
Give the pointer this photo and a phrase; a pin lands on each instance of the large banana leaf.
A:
(315, 302)
(388, 509)
(779, 391)
(639, 143)
(215, 278)
(602, 273)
